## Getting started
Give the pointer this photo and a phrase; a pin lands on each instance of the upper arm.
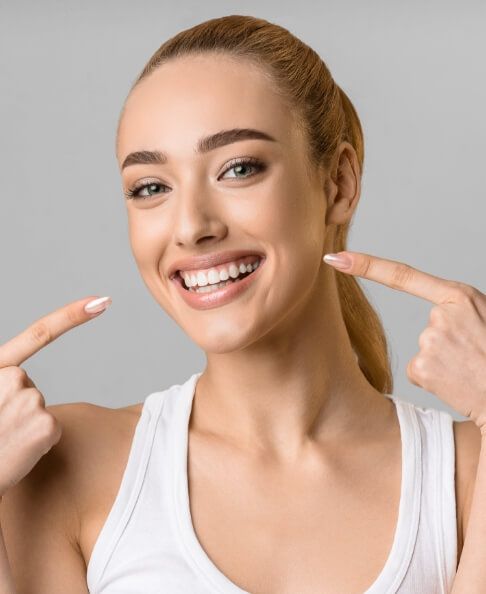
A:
(467, 438)
(39, 520)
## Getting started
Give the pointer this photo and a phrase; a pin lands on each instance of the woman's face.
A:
(202, 203)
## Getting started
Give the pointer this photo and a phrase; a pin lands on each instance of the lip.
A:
(219, 297)
(210, 260)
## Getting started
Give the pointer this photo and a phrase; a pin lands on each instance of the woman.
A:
(241, 156)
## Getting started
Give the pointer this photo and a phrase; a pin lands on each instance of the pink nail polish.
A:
(339, 261)
(97, 305)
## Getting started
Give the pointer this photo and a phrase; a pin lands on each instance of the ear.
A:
(342, 185)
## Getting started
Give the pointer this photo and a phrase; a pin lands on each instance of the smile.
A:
(205, 280)
(236, 279)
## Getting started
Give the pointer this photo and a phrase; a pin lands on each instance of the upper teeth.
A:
(201, 278)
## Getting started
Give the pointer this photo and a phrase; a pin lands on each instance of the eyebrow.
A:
(204, 145)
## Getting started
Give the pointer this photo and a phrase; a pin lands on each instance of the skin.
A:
(292, 397)
(310, 437)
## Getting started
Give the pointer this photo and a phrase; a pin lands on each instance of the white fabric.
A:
(148, 545)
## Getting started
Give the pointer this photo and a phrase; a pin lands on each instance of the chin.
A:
(223, 338)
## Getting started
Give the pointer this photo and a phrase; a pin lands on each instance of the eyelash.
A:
(132, 193)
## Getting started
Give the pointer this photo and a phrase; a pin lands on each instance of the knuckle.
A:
(17, 376)
(430, 338)
(401, 276)
(464, 293)
(40, 333)
(36, 398)
(48, 425)
(437, 316)
(411, 371)
(417, 368)
(17, 373)
(31, 400)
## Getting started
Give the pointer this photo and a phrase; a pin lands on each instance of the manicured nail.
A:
(97, 305)
(338, 260)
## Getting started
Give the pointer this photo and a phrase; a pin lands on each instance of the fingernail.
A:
(97, 305)
(338, 260)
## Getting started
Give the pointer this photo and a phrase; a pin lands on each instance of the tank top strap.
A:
(400, 557)
(446, 519)
(433, 565)
(148, 541)
(129, 488)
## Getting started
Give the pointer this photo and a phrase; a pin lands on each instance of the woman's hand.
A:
(451, 362)
(27, 429)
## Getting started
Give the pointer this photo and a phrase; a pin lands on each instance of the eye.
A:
(134, 192)
(243, 164)
(240, 166)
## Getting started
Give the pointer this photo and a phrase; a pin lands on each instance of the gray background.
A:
(415, 72)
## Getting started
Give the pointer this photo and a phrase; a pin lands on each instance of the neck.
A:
(300, 384)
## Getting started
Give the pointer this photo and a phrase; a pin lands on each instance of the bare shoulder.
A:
(42, 515)
(86, 426)
(467, 441)
(91, 436)
(97, 442)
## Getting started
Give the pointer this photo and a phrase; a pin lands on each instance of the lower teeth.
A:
(215, 287)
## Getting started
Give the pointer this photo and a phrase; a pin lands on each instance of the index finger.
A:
(44, 331)
(401, 276)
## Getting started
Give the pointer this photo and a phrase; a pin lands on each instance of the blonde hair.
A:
(327, 117)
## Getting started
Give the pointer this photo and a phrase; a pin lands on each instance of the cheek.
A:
(295, 233)
(148, 235)
(293, 223)
(293, 203)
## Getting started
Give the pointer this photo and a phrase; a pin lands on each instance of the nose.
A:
(198, 218)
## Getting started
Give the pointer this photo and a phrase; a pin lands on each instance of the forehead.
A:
(193, 96)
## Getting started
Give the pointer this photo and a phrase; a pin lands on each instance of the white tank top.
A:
(148, 544)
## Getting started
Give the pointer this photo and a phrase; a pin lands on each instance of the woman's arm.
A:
(39, 521)
(471, 572)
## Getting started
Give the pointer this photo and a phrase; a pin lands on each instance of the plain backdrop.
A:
(415, 72)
